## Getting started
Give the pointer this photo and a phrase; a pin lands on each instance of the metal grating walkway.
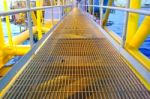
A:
(77, 62)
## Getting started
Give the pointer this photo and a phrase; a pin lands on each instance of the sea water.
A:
(118, 19)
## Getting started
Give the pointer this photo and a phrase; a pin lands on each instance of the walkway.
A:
(77, 62)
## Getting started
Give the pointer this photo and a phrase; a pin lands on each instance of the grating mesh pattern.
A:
(76, 63)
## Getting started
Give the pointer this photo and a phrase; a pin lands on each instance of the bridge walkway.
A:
(77, 62)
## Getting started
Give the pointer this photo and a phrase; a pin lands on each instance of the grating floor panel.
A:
(77, 62)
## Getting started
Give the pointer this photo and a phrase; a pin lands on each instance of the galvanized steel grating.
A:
(75, 63)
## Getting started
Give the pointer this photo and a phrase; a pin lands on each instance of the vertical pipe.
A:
(59, 10)
(2, 41)
(29, 23)
(126, 24)
(8, 25)
(39, 20)
(85, 6)
(63, 7)
(133, 20)
(62, 10)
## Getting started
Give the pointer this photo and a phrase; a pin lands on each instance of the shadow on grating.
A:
(76, 64)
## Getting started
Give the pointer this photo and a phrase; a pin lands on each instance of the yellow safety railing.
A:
(137, 35)
(13, 47)
(133, 36)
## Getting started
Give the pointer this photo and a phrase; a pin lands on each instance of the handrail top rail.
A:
(138, 11)
(16, 11)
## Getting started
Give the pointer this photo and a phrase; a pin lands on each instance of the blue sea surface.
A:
(15, 29)
(117, 27)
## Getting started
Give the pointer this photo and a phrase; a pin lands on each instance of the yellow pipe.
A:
(141, 34)
(2, 41)
(4, 56)
(33, 16)
(23, 36)
(8, 24)
(133, 20)
(1, 58)
(45, 29)
(41, 11)
(16, 50)
(38, 20)
(9, 51)
(4, 70)
(21, 50)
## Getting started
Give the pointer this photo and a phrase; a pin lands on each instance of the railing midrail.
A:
(127, 45)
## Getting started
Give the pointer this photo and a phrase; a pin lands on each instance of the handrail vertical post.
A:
(52, 16)
(93, 8)
(62, 11)
(59, 12)
(85, 5)
(125, 25)
(29, 23)
(101, 11)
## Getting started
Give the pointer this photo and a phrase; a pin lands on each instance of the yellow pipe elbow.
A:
(141, 34)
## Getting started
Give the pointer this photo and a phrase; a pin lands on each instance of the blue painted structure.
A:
(96, 2)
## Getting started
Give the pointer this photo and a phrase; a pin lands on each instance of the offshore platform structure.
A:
(76, 56)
